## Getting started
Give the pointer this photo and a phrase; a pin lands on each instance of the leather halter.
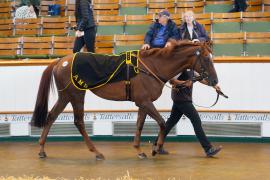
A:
(203, 75)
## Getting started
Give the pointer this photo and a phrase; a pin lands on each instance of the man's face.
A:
(163, 20)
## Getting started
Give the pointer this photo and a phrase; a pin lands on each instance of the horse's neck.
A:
(169, 68)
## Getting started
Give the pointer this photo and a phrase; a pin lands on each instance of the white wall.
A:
(246, 84)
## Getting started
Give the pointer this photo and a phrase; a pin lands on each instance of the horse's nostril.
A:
(215, 81)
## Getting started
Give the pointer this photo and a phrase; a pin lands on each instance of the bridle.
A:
(202, 75)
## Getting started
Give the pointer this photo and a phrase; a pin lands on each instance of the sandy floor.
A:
(186, 161)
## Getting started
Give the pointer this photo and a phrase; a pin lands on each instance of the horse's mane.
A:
(175, 47)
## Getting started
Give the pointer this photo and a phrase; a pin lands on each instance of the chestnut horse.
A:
(157, 67)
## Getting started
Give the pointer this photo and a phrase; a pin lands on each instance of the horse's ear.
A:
(209, 43)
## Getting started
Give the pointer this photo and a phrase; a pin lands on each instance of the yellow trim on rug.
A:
(127, 61)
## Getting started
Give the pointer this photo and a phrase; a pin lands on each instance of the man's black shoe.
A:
(162, 151)
(213, 151)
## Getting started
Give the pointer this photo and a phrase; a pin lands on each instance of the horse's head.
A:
(181, 55)
(203, 64)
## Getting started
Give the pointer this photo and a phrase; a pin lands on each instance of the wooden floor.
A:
(186, 161)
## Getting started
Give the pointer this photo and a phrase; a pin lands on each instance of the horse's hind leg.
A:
(78, 108)
(140, 123)
(52, 116)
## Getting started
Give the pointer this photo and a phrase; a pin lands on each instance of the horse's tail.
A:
(41, 108)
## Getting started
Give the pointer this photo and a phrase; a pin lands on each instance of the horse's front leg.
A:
(150, 109)
(137, 138)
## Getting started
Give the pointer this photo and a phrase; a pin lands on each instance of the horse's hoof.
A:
(154, 150)
(100, 157)
(42, 155)
(142, 156)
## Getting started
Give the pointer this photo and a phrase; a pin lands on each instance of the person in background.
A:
(25, 12)
(85, 26)
(160, 32)
(34, 3)
(192, 30)
(239, 6)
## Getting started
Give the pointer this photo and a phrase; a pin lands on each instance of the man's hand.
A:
(146, 46)
(217, 88)
(188, 83)
(168, 44)
(195, 40)
(79, 33)
(175, 82)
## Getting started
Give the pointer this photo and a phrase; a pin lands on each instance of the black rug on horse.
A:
(90, 70)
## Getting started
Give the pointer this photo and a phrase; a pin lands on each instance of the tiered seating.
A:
(218, 6)
(228, 44)
(254, 5)
(106, 7)
(61, 46)
(226, 22)
(184, 5)
(143, 7)
(104, 44)
(6, 27)
(109, 25)
(155, 6)
(6, 9)
(54, 26)
(176, 18)
(137, 24)
(266, 5)
(127, 42)
(35, 47)
(241, 44)
(9, 48)
(133, 7)
(70, 8)
(256, 21)
(257, 44)
(120, 33)
(27, 27)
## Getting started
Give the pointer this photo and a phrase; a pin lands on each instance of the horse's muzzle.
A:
(212, 82)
